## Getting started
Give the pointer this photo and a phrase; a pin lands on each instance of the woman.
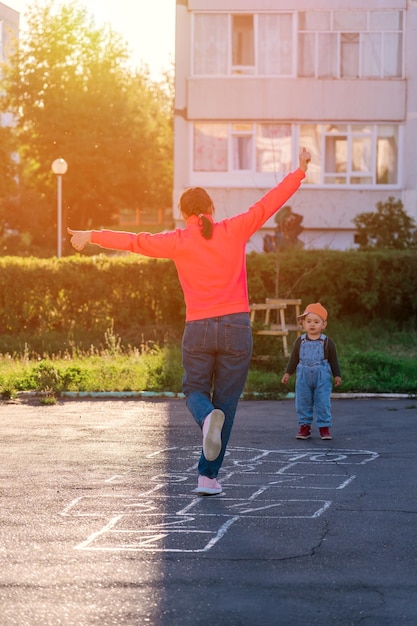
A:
(210, 258)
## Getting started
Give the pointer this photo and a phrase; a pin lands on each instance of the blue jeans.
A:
(216, 354)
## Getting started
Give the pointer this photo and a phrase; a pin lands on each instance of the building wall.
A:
(283, 98)
(409, 194)
(283, 5)
(328, 210)
(9, 32)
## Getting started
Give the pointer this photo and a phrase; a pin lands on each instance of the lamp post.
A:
(59, 167)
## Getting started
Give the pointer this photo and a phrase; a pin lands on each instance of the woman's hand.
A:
(79, 238)
(304, 159)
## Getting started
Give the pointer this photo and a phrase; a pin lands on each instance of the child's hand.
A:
(285, 379)
(337, 381)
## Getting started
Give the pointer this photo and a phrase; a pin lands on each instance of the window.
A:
(343, 154)
(331, 44)
(210, 147)
(275, 44)
(243, 45)
(210, 44)
(352, 154)
(348, 155)
(349, 55)
(386, 155)
(350, 44)
(317, 55)
(242, 147)
(273, 148)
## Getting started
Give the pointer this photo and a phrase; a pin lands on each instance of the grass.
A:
(155, 369)
(373, 359)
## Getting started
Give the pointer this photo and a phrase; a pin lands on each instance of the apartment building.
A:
(9, 29)
(257, 80)
(9, 32)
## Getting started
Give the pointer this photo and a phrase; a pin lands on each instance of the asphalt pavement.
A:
(99, 524)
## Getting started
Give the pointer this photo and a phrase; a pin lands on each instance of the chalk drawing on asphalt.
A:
(260, 485)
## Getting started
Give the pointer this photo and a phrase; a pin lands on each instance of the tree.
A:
(389, 227)
(74, 96)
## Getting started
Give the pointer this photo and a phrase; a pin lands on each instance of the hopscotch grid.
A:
(108, 528)
(262, 454)
(240, 502)
(195, 500)
(135, 501)
(258, 505)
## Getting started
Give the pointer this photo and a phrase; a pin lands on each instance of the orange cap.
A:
(315, 308)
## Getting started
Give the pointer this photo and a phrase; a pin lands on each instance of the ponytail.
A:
(206, 226)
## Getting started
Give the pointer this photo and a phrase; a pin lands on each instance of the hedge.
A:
(77, 299)
(364, 285)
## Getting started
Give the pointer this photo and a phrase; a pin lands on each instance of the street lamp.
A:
(59, 167)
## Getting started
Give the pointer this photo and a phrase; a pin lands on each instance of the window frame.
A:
(317, 176)
(242, 71)
(362, 34)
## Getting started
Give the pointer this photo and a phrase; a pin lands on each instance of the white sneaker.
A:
(212, 434)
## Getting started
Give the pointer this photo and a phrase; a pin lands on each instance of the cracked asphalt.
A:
(100, 525)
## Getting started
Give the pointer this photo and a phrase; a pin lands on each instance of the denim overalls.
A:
(313, 383)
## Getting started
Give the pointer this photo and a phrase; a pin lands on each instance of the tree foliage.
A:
(389, 227)
(74, 96)
(7, 164)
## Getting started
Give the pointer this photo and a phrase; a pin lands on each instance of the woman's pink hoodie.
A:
(212, 272)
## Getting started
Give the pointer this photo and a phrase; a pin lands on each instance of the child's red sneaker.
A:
(325, 432)
(304, 432)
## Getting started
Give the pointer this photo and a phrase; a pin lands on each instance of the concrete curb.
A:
(172, 394)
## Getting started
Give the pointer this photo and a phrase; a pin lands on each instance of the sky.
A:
(147, 26)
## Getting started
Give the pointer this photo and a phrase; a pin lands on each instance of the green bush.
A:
(51, 306)
(388, 227)
(363, 285)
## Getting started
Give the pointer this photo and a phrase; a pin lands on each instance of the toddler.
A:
(314, 359)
